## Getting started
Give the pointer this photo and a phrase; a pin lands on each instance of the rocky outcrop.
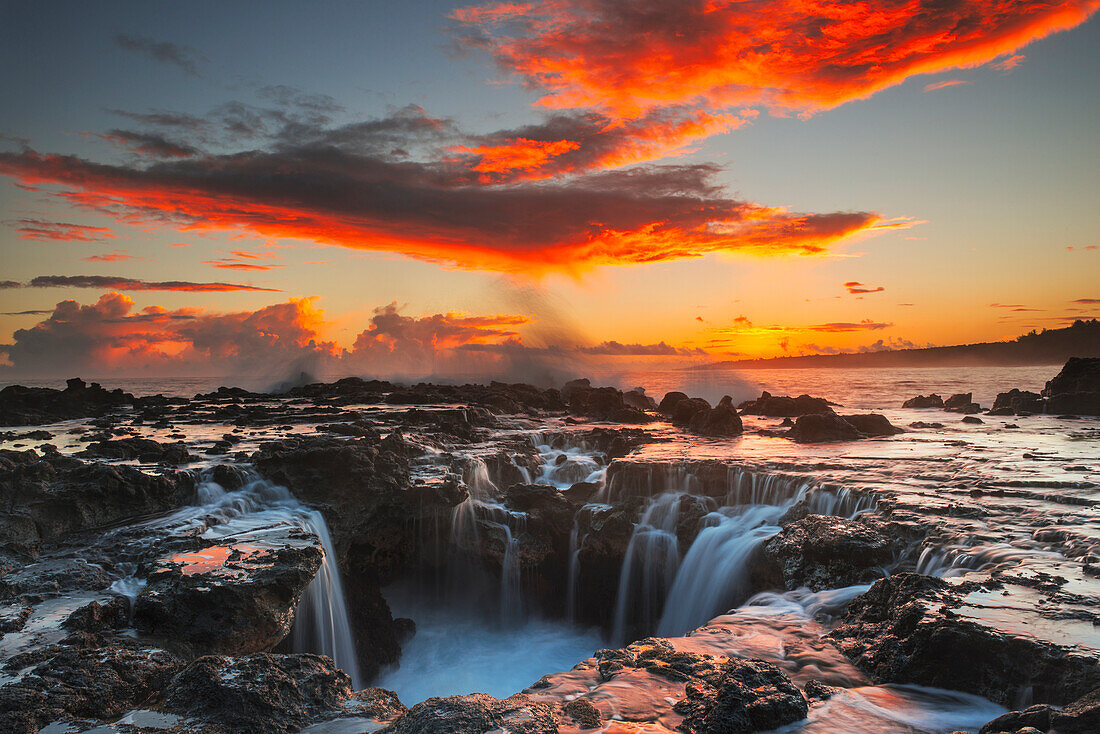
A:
(478, 713)
(45, 496)
(824, 552)
(717, 422)
(143, 449)
(33, 406)
(922, 401)
(1080, 717)
(911, 629)
(1017, 402)
(827, 427)
(265, 693)
(685, 410)
(1076, 389)
(231, 599)
(670, 401)
(961, 403)
(746, 696)
(783, 406)
(604, 403)
(78, 682)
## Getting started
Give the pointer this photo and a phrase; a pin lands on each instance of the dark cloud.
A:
(151, 144)
(164, 119)
(23, 313)
(41, 229)
(660, 349)
(854, 286)
(129, 284)
(184, 57)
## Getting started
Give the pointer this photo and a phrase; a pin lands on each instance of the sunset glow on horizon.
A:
(453, 185)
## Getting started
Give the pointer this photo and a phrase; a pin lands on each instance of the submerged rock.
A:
(922, 401)
(824, 552)
(783, 406)
(1076, 389)
(826, 427)
(906, 629)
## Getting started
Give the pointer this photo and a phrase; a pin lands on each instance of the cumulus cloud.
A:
(184, 57)
(129, 284)
(40, 229)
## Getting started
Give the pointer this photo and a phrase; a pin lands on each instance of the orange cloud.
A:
(1010, 63)
(38, 229)
(855, 286)
(788, 55)
(112, 257)
(944, 85)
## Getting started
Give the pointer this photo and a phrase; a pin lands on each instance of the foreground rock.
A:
(1017, 402)
(918, 629)
(33, 406)
(718, 422)
(233, 599)
(961, 403)
(824, 552)
(782, 406)
(478, 713)
(605, 403)
(271, 693)
(827, 427)
(1076, 389)
(1080, 717)
(921, 401)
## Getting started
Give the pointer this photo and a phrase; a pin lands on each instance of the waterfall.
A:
(321, 623)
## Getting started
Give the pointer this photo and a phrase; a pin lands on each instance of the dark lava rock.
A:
(143, 449)
(43, 497)
(815, 690)
(583, 713)
(1080, 717)
(477, 713)
(83, 683)
(269, 693)
(824, 552)
(637, 398)
(873, 424)
(904, 630)
(242, 602)
(782, 406)
(32, 406)
(823, 427)
(685, 410)
(1017, 401)
(670, 401)
(602, 403)
(961, 403)
(748, 696)
(972, 419)
(923, 424)
(719, 421)
(921, 401)
(1076, 389)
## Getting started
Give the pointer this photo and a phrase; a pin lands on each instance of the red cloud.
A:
(38, 229)
(111, 257)
(1010, 63)
(786, 55)
(855, 286)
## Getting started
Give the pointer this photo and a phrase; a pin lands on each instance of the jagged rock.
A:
(603, 403)
(1076, 388)
(637, 398)
(824, 552)
(477, 713)
(32, 406)
(904, 630)
(142, 449)
(235, 599)
(44, 497)
(265, 693)
(749, 696)
(100, 683)
(1080, 717)
(783, 406)
(921, 401)
(719, 421)
(1017, 401)
(961, 403)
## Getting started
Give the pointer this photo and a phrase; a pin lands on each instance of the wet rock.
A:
(873, 424)
(603, 403)
(815, 690)
(44, 497)
(1017, 401)
(961, 403)
(783, 406)
(749, 696)
(720, 421)
(83, 683)
(972, 420)
(142, 449)
(922, 401)
(670, 401)
(583, 713)
(824, 552)
(1080, 717)
(477, 713)
(1076, 388)
(270, 693)
(822, 428)
(228, 599)
(637, 398)
(909, 629)
(923, 424)
(32, 406)
(685, 410)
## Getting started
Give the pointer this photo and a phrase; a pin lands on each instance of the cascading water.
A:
(649, 566)
(321, 622)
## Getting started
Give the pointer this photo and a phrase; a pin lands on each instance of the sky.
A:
(433, 188)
